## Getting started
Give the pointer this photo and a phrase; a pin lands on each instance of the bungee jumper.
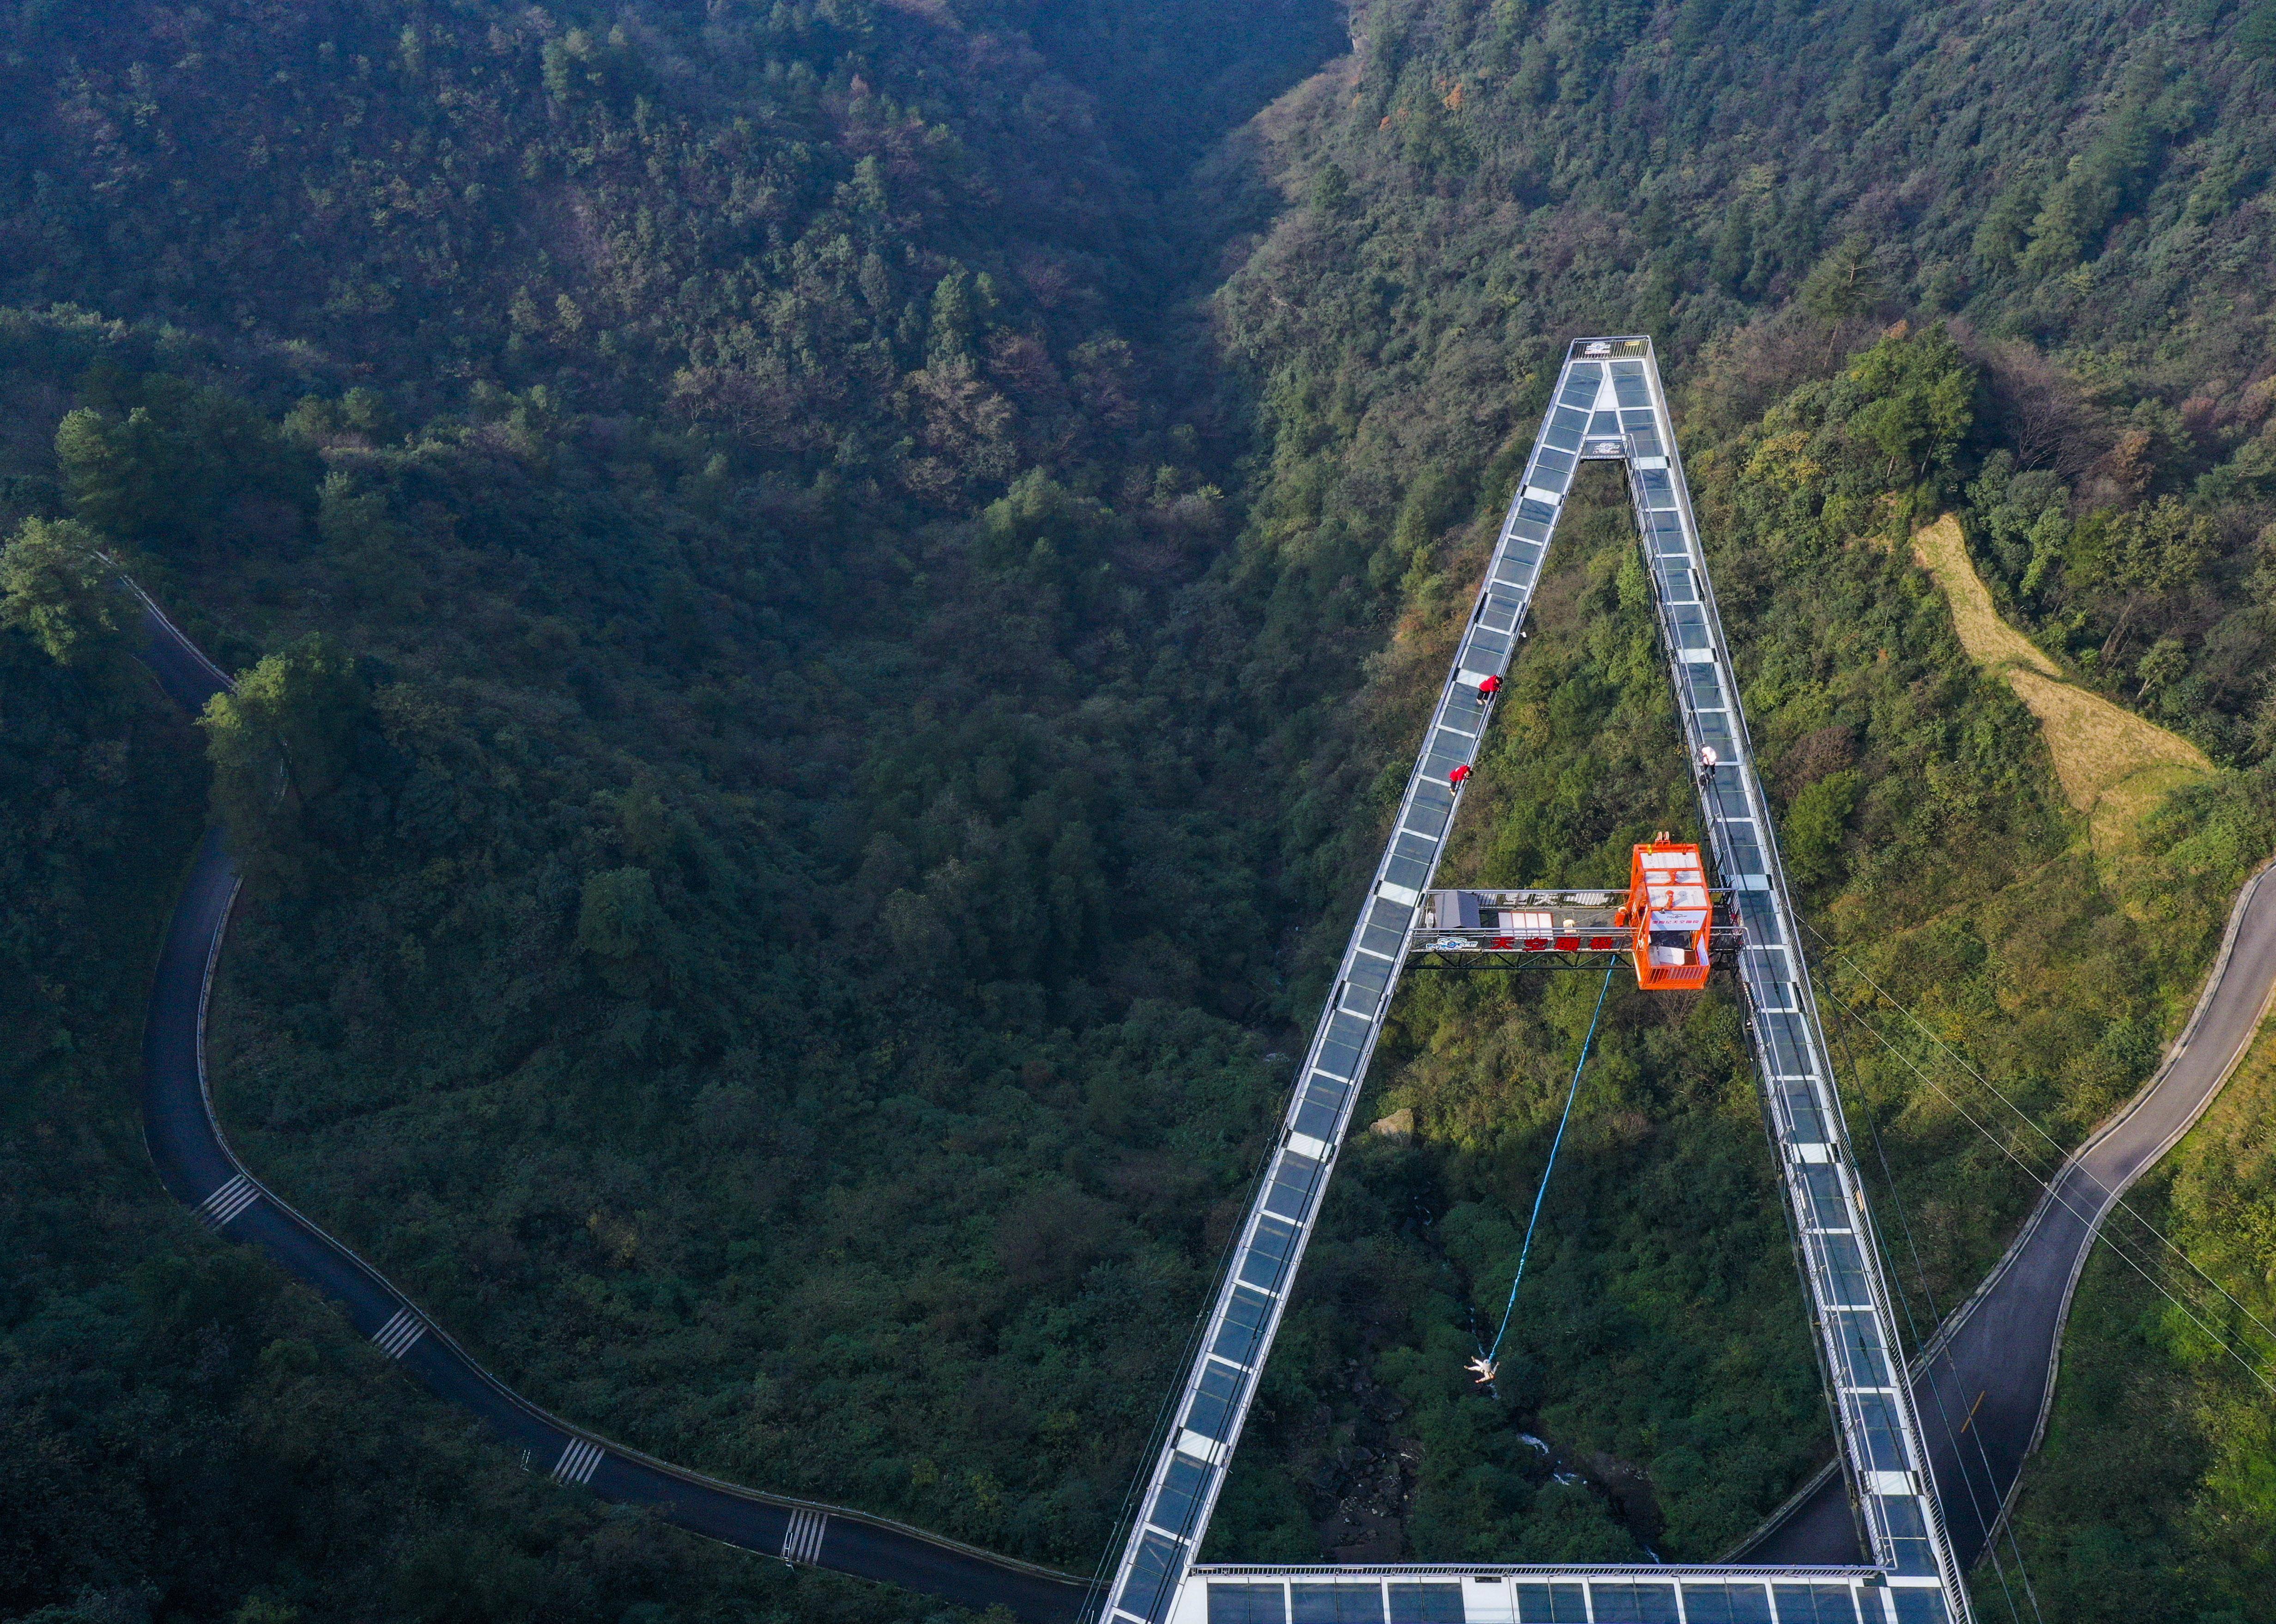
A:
(1489, 1359)
(1669, 918)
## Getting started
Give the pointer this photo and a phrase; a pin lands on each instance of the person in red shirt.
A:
(1456, 776)
(1487, 689)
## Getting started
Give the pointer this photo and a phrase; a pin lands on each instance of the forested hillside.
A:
(2079, 192)
(2055, 213)
(709, 506)
(846, 586)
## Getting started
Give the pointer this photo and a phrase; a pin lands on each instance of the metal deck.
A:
(1535, 929)
(1608, 406)
(1432, 1594)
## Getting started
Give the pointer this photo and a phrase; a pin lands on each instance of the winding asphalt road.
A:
(198, 1168)
(1986, 1379)
(1982, 1389)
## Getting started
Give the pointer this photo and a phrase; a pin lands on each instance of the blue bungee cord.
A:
(1489, 1358)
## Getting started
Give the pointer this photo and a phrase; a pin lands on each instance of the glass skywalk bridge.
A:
(1608, 406)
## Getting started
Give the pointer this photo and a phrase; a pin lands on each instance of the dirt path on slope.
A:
(2113, 766)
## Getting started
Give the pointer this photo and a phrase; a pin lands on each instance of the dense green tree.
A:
(58, 587)
(281, 741)
(1842, 285)
(182, 466)
(1917, 401)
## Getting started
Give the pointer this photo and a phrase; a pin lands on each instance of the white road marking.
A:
(226, 1203)
(396, 1337)
(802, 1539)
(577, 1462)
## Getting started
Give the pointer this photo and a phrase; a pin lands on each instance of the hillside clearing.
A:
(2113, 765)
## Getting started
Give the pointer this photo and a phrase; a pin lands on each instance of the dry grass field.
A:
(2113, 765)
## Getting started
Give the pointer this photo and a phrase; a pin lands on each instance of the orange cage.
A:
(1671, 914)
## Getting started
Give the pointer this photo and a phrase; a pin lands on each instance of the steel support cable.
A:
(2118, 1198)
(1904, 1304)
(1928, 1370)
(1797, 1242)
(2055, 1194)
(1944, 1418)
(1571, 1092)
(2062, 1167)
(1102, 1577)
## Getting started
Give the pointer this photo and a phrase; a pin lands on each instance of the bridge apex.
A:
(1624, 347)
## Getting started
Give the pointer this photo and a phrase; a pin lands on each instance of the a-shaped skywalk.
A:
(1609, 406)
